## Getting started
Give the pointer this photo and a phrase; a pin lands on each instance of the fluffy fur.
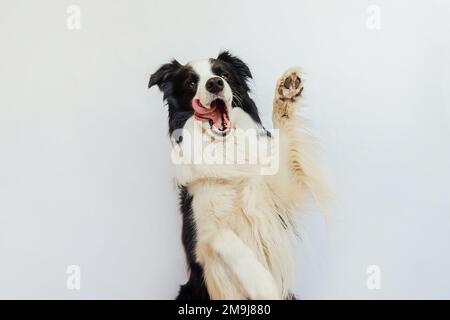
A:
(238, 225)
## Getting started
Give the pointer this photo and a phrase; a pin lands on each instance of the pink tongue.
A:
(212, 114)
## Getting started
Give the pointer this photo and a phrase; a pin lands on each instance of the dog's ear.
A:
(164, 74)
(236, 63)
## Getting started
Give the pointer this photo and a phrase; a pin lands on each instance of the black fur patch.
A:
(195, 288)
(178, 84)
(238, 75)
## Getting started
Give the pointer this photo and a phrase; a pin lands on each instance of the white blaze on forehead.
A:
(202, 68)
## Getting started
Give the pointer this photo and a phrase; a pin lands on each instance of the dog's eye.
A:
(190, 84)
(224, 75)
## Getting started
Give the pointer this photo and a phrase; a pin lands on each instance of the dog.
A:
(238, 224)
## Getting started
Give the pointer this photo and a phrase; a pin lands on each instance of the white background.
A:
(85, 173)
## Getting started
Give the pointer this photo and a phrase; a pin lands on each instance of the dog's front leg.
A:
(227, 257)
(298, 170)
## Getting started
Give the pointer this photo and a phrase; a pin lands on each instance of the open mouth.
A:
(216, 115)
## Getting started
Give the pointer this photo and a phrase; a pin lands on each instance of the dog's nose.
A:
(214, 85)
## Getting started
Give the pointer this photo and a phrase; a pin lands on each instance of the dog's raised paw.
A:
(290, 85)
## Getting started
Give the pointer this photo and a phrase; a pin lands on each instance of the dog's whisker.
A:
(239, 101)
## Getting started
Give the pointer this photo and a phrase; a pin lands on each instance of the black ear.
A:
(164, 74)
(237, 63)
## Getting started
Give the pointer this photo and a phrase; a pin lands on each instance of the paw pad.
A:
(290, 85)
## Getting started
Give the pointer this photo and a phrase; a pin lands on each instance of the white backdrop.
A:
(81, 183)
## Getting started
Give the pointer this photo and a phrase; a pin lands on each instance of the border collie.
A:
(238, 221)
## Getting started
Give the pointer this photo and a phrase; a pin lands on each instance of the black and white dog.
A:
(238, 222)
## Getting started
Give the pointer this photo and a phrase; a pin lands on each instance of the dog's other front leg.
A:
(229, 258)
(298, 170)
